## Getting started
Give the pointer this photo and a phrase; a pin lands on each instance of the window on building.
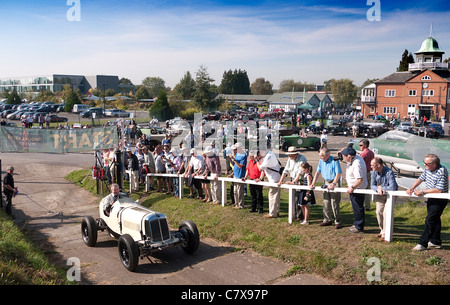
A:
(389, 110)
(426, 77)
(389, 93)
(428, 93)
(412, 93)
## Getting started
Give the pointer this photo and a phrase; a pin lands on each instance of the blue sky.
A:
(310, 41)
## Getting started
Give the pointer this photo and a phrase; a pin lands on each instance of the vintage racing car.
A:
(140, 231)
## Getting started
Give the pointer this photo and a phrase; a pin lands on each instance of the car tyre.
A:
(285, 146)
(89, 231)
(191, 235)
(128, 252)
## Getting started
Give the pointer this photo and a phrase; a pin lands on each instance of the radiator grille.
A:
(159, 229)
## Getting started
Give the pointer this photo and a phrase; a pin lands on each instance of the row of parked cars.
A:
(430, 130)
(100, 113)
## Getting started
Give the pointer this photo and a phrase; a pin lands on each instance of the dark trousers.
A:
(8, 207)
(256, 191)
(357, 201)
(432, 231)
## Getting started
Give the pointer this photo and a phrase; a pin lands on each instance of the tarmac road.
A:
(51, 208)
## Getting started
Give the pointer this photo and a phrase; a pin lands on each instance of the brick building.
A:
(421, 91)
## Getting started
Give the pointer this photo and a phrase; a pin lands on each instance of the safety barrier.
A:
(389, 208)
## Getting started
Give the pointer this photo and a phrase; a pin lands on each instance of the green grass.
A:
(21, 261)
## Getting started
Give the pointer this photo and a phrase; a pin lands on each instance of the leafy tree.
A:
(407, 58)
(125, 81)
(287, 85)
(343, 90)
(186, 87)
(71, 98)
(13, 98)
(261, 87)
(154, 85)
(235, 82)
(161, 109)
(203, 90)
(142, 93)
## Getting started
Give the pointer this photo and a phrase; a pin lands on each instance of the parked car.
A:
(55, 119)
(6, 112)
(432, 130)
(88, 113)
(117, 113)
(15, 115)
(140, 231)
(405, 126)
(298, 141)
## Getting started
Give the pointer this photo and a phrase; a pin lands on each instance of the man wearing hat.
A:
(9, 189)
(356, 176)
(293, 163)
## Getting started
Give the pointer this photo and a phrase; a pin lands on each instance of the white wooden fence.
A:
(389, 221)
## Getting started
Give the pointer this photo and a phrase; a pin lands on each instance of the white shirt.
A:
(268, 163)
(356, 170)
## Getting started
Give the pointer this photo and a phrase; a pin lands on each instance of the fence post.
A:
(224, 192)
(291, 204)
(180, 186)
(389, 221)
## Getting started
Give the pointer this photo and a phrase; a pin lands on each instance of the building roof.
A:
(430, 45)
(397, 77)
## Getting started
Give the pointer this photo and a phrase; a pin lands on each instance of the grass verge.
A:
(22, 262)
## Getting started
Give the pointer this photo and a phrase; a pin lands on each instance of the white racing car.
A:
(140, 231)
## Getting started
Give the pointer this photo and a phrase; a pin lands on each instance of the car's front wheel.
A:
(89, 231)
(128, 252)
(191, 236)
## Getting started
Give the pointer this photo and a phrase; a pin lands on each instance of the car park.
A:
(117, 113)
(140, 231)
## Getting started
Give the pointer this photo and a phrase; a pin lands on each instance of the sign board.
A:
(17, 139)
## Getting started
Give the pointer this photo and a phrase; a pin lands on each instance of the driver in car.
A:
(109, 200)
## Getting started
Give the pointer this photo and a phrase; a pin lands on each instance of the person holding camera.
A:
(331, 171)
(356, 176)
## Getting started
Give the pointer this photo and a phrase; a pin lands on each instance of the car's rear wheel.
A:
(89, 231)
(191, 236)
(128, 252)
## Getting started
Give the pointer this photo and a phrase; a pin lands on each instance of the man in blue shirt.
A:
(239, 170)
(331, 172)
(382, 180)
(436, 181)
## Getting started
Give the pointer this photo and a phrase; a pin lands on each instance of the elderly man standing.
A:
(382, 180)
(436, 181)
(132, 165)
(293, 169)
(356, 176)
(271, 167)
(331, 172)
